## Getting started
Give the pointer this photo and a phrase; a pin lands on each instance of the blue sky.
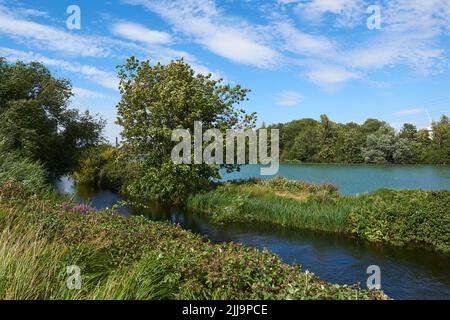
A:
(300, 58)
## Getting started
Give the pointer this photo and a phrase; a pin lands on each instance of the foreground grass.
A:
(132, 258)
(398, 217)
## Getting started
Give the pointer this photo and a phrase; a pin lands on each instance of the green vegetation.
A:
(397, 217)
(374, 141)
(28, 175)
(105, 167)
(35, 120)
(133, 258)
(279, 201)
(404, 217)
(157, 99)
(42, 233)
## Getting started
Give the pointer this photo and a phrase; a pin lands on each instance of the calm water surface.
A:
(354, 179)
(405, 273)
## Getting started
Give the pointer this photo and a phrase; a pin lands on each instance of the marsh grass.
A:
(290, 204)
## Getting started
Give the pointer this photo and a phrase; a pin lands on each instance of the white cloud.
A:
(288, 98)
(82, 93)
(408, 112)
(228, 37)
(103, 78)
(49, 38)
(139, 33)
(348, 12)
(409, 34)
(330, 76)
(303, 43)
(32, 13)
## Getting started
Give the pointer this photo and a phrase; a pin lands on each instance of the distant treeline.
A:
(374, 141)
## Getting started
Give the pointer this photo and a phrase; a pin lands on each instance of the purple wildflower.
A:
(82, 208)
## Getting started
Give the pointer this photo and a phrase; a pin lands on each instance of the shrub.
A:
(404, 217)
(91, 164)
(102, 167)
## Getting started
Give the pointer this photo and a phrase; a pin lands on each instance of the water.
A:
(405, 273)
(354, 179)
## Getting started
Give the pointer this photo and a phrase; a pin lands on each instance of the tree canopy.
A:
(157, 99)
(374, 141)
(36, 121)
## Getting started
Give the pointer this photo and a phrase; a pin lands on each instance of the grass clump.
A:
(278, 201)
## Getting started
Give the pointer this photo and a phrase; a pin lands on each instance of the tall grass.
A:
(318, 210)
(31, 267)
(27, 175)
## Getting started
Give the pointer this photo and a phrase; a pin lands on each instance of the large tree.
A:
(36, 121)
(157, 99)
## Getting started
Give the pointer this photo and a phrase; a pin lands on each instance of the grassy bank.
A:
(405, 217)
(279, 201)
(133, 258)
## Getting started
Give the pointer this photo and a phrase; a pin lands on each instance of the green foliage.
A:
(35, 120)
(156, 99)
(374, 141)
(105, 167)
(291, 204)
(133, 258)
(91, 164)
(384, 146)
(404, 217)
(27, 176)
(408, 217)
(170, 182)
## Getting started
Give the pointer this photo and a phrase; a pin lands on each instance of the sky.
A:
(349, 59)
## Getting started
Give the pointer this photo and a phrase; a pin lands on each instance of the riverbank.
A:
(42, 234)
(397, 217)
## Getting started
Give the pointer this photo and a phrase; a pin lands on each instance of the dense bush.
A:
(404, 217)
(374, 141)
(398, 217)
(102, 167)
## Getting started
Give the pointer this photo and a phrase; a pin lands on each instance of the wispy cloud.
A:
(408, 112)
(140, 33)
(82, 93)
(228, 37)
(49, 38)
(330, 77)
(288, 98)
(348, 13)
(103, 78)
